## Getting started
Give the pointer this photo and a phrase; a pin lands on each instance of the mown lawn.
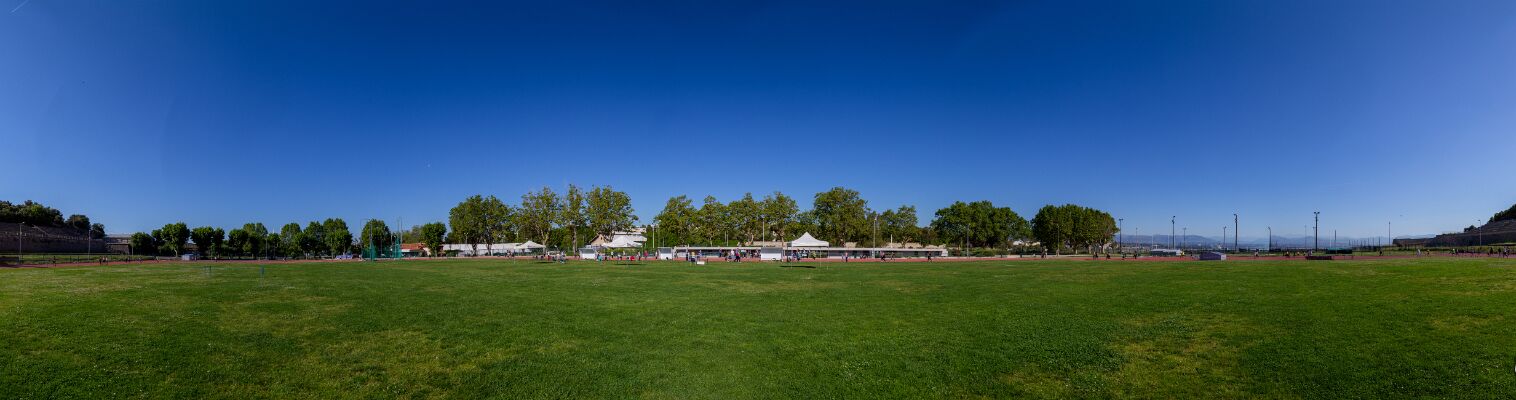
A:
(468, 329)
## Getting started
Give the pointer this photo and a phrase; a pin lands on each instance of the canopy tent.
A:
(622, 242)
(806, 240)
(529, 245)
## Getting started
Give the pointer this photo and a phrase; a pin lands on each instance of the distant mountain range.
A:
(1280, 241)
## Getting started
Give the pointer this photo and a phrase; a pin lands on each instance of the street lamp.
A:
(1317, 230)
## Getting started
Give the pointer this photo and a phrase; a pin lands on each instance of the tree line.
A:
(318, 239)
(569, 220)
(575, 217)
(36, 214)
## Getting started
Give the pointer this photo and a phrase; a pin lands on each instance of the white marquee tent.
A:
(806, 240)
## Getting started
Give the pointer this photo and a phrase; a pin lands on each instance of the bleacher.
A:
(47, 239)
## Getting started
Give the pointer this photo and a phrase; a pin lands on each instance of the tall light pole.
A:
(1235, 229)
(1481, 231)
(1171, 231)
(1317, 230)
(1120, 234)
(1186, 241)
(1223, 237)
(1270, 246)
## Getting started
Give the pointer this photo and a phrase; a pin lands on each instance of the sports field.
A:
(512, 329)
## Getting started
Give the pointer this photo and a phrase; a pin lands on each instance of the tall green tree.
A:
(480, 220)
(1072, 226)
(237, 242)
(31, 213)
(313, 242)
(339, 239)
(841, 215)
(573, 216)
(273, 245)
(979, 224)
(208, 239)
(257, 234)
(677, 222)
(375, 235)
(713, 221)
(77, 221)
(899, 224)
(538, 212)
(744, 217)
(142, 244)
(172, 238)
(467, 224)
(609, 210)
(778, 212)
(432, 235)
(290, 238)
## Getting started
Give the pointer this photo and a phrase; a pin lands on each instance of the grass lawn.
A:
(490, 328)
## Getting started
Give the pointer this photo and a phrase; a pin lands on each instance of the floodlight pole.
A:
(1481, 231)
(1120, 234)
(1270, 245)
(1172, 243)
(1223, 237)
(1317, 230)
(1185, 238)
(1235, 229)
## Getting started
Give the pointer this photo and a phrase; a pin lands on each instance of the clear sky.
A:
(139, 113)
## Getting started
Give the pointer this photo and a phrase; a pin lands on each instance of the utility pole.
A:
(1317, 230)
(1235, 230)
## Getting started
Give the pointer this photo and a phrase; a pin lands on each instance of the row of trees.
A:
(839, 214)
(842, 215)
(543, 216)
(572, 219)
(36, 214)
(1072, 226)
(324, 238)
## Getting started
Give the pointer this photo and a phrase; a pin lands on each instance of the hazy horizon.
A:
(216, 113)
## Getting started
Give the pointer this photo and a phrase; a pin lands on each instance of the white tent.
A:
(807, 240)
(622, 242)
(529, 245)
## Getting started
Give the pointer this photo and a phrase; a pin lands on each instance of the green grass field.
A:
(485, 328)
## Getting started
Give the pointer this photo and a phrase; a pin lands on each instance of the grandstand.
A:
(47, 239)
(1503, 231)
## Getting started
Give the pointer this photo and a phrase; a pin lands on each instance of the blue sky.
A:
(139, 113)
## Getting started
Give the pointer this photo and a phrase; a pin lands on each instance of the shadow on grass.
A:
(628, 264)
(797, 266)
